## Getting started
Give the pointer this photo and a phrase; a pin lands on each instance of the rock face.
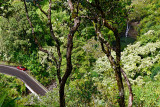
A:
(133, 32)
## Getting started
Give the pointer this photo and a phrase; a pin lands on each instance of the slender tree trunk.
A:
(114, 64)
(68, 70)
(62, 97)
(120, 88)
(130, 99)
(118, 74)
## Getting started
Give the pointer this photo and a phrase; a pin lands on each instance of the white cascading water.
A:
(127, 29)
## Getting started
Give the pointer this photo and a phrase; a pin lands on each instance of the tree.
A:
(74, 26)
(4, 8)
(16, 39)
(110, 15)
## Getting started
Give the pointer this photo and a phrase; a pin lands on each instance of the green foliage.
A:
(2, 98)
(84, 90)
(5, 10)
(149, 20)
(150, 36)
(88, 32)
(155, 70)
(92, 80)
(145, 95)
(139, 12)
(116, 12)
(17, 43)
(90, 1)
(16, 85)
(6, 98)
(49, 100)
(13, 34)
(126, 41)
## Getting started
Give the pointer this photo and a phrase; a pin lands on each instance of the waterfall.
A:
(127, 29)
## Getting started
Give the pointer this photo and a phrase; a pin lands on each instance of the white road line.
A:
(31, 90)
(36, 82)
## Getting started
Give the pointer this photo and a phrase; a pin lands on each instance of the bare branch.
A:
(49, 12)
(69, 49)
(35, 39)
(30, 23)
(42, 10)
(105, 23)
(130, 100)
(107, 51)
(113, 63)
(49, 54)
(56, 40)
(71, 6)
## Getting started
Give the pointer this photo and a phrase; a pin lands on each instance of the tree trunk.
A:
(130, 99)
(120, 88)
(68, 70)
(62, 97)
(114, 64)
(118, 70)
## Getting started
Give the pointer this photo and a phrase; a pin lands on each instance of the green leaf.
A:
(2, 99)
(11, 102)
(90, 1)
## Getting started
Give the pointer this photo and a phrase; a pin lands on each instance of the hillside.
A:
(79, 51)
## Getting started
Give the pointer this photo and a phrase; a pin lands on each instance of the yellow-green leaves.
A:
(90, 1)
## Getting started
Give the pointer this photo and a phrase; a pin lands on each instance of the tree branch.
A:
(130, 99)
(30, 23)
(35, 39)
(68, 56)
(42, 10)
(103, 41)
(71, 6)
(70, 44)
(105, 23)
(113, 63)
(56, 40)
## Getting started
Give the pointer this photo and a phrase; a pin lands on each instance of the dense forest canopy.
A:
(103, 53)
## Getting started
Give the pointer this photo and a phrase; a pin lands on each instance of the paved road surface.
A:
(33, 84)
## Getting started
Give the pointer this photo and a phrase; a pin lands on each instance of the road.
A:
(32, 83)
